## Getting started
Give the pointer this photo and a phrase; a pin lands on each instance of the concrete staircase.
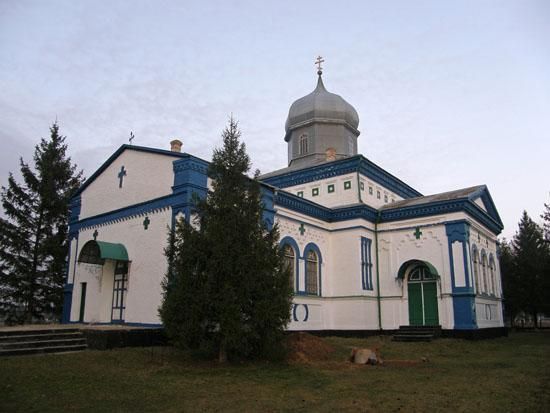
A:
(23, 342)
(417, 333)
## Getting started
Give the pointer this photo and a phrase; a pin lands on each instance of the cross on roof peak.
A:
(318, 62)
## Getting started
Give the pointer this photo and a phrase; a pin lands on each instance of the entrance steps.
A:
(24, 342)
(417, 333)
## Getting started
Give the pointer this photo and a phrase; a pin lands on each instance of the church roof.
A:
(321, 106)
(294, 175)
(444, 196)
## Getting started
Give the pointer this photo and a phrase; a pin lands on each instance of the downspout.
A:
(359, 188)
(377, 271)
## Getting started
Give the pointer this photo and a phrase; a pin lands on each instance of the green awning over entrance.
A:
(112, 251)
(414, 263)
(96, 252)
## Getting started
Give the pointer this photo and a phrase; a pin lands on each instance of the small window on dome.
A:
(304, 144)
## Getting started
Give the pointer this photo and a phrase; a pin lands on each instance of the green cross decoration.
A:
(95, 234)
(417, 232)
(302, 229)
(146, 223)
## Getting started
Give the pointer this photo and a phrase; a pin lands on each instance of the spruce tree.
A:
(530, 254)
(546, 222)
(510, 282)
(33, 236)
(227, 286)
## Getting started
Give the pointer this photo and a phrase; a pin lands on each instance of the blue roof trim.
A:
(370, 214)
(301, 205)
(356, 163)
(126, 212)
(117, 153)
(487, 200)
(379, 175)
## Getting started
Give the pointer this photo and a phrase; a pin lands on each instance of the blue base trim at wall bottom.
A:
(121, 324)
(475, 334)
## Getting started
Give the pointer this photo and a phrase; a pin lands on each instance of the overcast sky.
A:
(449, 93)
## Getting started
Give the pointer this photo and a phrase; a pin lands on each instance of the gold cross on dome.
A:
(318, 63)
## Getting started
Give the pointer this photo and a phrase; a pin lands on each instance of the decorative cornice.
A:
(298, 204)
(341, 167)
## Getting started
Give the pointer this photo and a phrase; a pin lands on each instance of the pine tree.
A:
(529, 252)
(227, 287)
(33, 238)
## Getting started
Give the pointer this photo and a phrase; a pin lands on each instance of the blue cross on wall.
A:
(302, 229)
(121, 176)
(146, 223)
(95, 234)
(417, 233)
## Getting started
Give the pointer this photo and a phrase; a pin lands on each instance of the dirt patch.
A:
(306, 348)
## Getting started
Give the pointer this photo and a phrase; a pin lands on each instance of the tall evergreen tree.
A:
(227, 286)
(33, 238)
(546, 222)
(530, 254)
(510, 283)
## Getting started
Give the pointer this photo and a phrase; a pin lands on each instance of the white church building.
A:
(367, 251)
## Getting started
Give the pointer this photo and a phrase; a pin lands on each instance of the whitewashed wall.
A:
(146, 270)
(148, 176)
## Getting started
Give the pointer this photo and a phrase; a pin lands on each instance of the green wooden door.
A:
(416, 317)
(430, 303)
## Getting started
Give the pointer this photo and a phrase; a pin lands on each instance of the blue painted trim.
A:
(75, 258)
(268, 206)
(67, 303)
(464, 311)
(126, 212)
(288, 240)
(312, 246)
(298, 204)
(463, 297)
(117, 153)
(295, 316)
(344, 166)
(487, 200)
(145, 325)
(295, 203)
(75, 207)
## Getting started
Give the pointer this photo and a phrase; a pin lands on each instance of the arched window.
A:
(484, 272)
(421, 273)
(312, 273)
(492, 275)
(475, 257)
(91, 254)
(303, 144)
(290, 263)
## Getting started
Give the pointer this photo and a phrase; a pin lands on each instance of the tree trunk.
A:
(32, 280)
(222, 354)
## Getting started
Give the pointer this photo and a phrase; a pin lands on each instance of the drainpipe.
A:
(359, 188)
(377, 271)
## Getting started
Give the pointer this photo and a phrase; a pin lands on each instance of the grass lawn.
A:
(506, 374)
